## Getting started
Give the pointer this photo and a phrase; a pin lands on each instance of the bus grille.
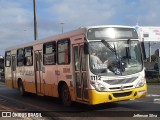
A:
(122, 94)
(119, 88)
(120, 81)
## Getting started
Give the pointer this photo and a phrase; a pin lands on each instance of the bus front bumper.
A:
(104, 97)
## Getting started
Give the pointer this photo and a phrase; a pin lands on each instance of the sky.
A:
(16, 17)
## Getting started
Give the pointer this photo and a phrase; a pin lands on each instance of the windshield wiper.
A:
(119, 68)
(108, 45)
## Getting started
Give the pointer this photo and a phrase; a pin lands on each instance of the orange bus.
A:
(91, 65)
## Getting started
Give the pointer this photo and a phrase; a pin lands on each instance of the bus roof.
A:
(78, 31)
(55, 37)
(102, 26)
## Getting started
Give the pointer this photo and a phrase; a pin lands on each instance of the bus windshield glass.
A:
(116, 33)
(115, 58)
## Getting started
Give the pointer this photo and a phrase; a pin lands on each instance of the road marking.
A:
(6, 108)
(1, 99)
(156, 101)
(153, 95)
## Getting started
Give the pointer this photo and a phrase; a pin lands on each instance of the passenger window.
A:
(14, 63)
(76, 58)
(64, 51)
(8, 59)
(28, 56)
(49, 53)
(20, 57)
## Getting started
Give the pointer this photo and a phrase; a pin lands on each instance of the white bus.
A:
(65, 66)
(151, 37)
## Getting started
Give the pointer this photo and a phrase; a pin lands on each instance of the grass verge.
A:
(153, 80)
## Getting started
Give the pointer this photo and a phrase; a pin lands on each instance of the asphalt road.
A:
(51, 108)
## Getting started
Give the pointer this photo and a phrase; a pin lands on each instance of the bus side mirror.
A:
(143, 50)
(86, 48)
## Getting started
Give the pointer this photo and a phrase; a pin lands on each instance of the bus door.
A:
(38, 72)
(80, 63)
(13, 70)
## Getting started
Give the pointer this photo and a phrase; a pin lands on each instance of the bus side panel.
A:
(50, 80)
(8, 77)
(29, 79)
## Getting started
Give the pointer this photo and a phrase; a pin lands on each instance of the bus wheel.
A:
(65, 95)
(21, 88)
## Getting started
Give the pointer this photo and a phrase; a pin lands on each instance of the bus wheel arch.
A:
(64, 93)
(21, 87)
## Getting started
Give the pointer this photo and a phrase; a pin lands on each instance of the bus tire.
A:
(65, 95)
(21, 88)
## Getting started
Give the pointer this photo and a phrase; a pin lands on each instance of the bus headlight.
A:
(98, 86)
(141, 82)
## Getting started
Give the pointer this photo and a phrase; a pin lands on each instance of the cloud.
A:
(78, 13)
(150, 13)
(13, 22)
(16, 22)
(81, 13)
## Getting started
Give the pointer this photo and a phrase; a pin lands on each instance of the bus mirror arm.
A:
(86, 48)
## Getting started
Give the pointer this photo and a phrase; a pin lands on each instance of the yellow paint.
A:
(55, 91)
(29, 87)
(103, 97)
(48, 90)
(95, 97)
(15, 85)
(72, 93)
(9, 83)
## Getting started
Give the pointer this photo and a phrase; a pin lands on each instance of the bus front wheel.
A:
(65, 95)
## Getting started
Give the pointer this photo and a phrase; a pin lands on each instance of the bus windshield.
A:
(115, 58)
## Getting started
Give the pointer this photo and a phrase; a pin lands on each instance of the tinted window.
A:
(20, 57)
(76, 58)
(28, 56)
(64, 51)
(8, 59)
(49, 53)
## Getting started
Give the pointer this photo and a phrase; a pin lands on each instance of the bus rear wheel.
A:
(21, 88)
(65, 95)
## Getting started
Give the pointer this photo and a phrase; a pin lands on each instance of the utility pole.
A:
(62, 26)
(35, 21)
(149, 44)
